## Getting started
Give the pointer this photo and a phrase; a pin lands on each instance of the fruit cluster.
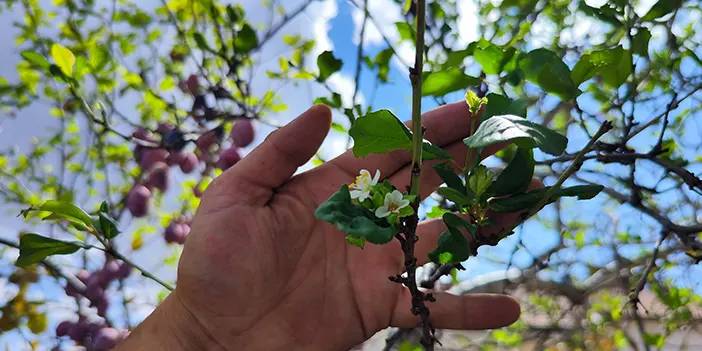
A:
(97, 282)
(156, 152)
(95, 334)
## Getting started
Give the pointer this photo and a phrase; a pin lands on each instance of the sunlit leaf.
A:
(377, 132)
(440, 83)
(544, 68)
(63, 58)
(510, 128)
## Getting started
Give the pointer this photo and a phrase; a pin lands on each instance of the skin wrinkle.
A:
(278, 303)
(228, 255)
(198, 322)
(277, 220)
(294, 288)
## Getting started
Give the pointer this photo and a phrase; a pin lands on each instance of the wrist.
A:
(170, 326)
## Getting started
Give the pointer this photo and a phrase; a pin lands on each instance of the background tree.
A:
(150, 101)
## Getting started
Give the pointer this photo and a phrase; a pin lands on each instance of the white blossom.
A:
(361, 187)
(394, 201)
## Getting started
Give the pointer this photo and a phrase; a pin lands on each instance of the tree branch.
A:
(408, 225)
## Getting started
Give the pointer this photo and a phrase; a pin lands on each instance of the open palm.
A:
(259, 272)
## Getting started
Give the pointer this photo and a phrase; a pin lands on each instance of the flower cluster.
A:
(381, 198)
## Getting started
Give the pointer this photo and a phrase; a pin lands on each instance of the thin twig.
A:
(574, 166)
(634, 294)
(114, 253)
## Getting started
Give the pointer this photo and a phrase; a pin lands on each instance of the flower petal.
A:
(376, 177)
(382, 212)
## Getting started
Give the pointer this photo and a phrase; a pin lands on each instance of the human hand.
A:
(260, 272)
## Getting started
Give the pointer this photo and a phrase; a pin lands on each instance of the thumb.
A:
(272, 163)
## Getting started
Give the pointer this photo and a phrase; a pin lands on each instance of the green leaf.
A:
(582, 192)
(436, 212)
(108, 225)
(544, 68)
(66, 211)
(35, 59)
(656, 340)
(433, 152)
(458, 197)
(353, 220)
(613, 65)
(445, 171)
(327, 64)
(516, 177)
(382, 61)
(580, 239)
(639, 44)
(452, 247)
(34, 248)
(235, 13)
(606, 13)
(405, 30)
(246, 39)
(510, 128)
(356, 241)
(662, 8)
(440, 83)
(474, 102)
(530, 199)
(454, 221)
(502, 105)
(455, 58)
(406, 6)
(378, 132)
(489, 56)
(334, 102)
(201, 41)
(64, 59)
(479, 180)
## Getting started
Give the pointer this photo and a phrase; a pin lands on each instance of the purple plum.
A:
(242, 133)
(138, 200)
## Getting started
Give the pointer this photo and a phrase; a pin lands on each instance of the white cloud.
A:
(323, 12)
(467, 22)
(385, 13)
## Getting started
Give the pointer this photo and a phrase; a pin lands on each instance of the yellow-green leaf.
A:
(64, 58)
